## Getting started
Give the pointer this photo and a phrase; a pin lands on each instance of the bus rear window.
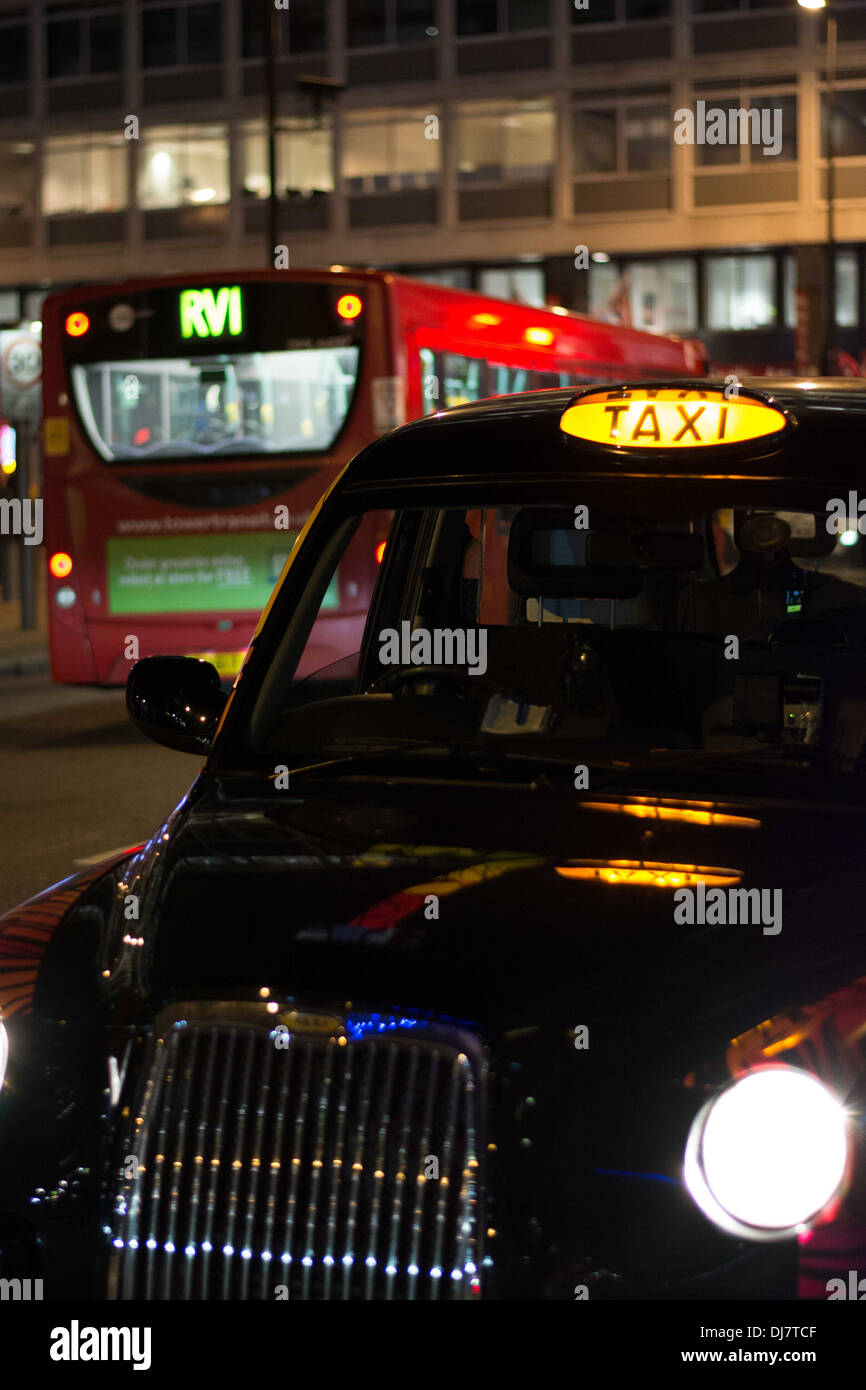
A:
(283, 402)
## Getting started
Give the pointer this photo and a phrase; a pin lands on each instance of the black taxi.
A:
(516, 949)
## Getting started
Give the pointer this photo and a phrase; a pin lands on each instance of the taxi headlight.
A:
(766, 1155)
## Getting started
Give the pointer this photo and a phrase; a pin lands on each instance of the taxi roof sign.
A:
(669, 418)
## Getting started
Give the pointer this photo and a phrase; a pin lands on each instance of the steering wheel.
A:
(459, 684)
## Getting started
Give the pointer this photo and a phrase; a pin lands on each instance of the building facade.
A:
(522, 147)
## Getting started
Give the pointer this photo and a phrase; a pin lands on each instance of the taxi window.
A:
(651, 589)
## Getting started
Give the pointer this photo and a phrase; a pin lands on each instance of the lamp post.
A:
(271, 34)
(828, 354)
(318, 89)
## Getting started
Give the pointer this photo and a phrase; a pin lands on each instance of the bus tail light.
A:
(542, 336)
(349, 306)
(77, 324)
(60, 564)
(380, 551)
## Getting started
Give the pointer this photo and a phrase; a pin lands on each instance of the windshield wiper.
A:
(456, 758)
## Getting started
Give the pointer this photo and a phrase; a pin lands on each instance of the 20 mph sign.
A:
(20, 376)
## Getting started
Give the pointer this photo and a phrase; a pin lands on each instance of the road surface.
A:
(76, 780)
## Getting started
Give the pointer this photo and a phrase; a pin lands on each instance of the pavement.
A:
(23, 653)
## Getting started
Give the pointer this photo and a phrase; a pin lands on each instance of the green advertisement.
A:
(197, 574)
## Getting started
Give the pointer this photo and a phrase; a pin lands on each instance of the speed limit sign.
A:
(20, 376)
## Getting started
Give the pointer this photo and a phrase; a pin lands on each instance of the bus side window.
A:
(465, 378)
(431, 374)
(498, 379)
(506, 380)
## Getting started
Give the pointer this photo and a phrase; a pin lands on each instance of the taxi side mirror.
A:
(176, 700)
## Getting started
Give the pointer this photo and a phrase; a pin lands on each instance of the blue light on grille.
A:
(362, 1025)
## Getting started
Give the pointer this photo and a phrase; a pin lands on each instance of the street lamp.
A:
(829, 365)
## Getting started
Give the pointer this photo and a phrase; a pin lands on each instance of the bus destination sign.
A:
(211, 314)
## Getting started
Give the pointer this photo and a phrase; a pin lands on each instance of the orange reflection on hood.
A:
(691, 812)
(637, 871)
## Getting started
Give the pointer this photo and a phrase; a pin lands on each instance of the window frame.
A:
(774, 324)
(852, 84)
(284, 47)
(257, 129)
(189, 140)
(391, 32)
(500, 108)
(503, 25)
(744, 94)
(25, 27)
(88, 143)
(388, 118)
(620, 104)
(81, 18)
(181, 10)
(620, 16)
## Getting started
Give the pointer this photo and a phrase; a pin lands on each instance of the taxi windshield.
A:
(692, 620)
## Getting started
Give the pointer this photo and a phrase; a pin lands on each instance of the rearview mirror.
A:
(176, 700)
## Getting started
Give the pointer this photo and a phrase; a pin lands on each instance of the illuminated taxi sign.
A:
(211, 313)
(669, 418)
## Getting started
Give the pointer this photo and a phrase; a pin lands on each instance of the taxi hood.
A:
(504, 906)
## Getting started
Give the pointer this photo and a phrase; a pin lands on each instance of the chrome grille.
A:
(305, 1170)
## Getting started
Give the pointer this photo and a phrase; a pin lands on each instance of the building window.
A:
(528, 14)
(477, 16)
(473, 17)
(503, 144)
(663, 294)
(740, 292)
(203, 38)
(181, 35)
(625, 137)
(660, 296)
(64, 48)
(414, 20)
(455, 277)
(752, 121)
(183, 165)
(726, 6)
(619, 11)
(847, 290)
(304, 158)
(385, 151)
(84, 173)
(84, 45)
(849, 123)
(17, 179)
(365, 23)
(371, 23)
(14, 53)
(300, 29)
(522, 283)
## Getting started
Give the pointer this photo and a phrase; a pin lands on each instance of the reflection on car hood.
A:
(497, 906)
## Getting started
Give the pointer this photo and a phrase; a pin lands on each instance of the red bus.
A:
(191, 424)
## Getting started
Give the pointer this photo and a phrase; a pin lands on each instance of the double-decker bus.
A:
(192, 423)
